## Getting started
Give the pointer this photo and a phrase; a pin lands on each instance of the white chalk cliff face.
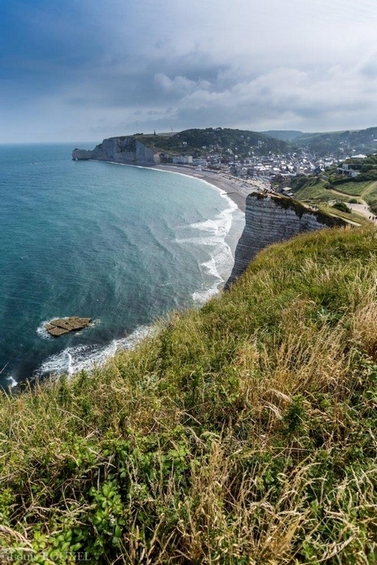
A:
(127, 150)
(272, 218)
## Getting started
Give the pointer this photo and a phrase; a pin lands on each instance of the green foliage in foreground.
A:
(243, 433)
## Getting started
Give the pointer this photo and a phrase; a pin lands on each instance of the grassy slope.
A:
(365, 190)
(243, 433)
(317, 190)
(353, 188)
(313, 191)
(370, 196)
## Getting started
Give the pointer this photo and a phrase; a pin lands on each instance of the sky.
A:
(86, 70)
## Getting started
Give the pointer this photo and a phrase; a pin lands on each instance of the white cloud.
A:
(252, 63)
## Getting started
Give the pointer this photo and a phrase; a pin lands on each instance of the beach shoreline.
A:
(235, 188)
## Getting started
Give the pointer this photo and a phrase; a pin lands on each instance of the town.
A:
(277, 169)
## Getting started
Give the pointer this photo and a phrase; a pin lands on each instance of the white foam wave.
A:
(13, 382)
(86, 357)
(213, 234)
(202, 296)
(221, 262)
(42, 332)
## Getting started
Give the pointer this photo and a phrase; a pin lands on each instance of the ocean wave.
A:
(87, 357)
(13, 382)
(202, 296)
(213, 234)
(42, 332)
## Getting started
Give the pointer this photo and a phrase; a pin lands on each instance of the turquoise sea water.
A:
(122, 245)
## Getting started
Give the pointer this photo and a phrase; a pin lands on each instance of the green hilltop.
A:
(245, 143)
(339, 143)
(241, 433)
(202, 141)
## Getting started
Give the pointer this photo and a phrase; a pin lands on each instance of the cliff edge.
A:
(270, 218)
(126, 150)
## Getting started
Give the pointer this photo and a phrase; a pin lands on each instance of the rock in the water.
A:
(62, 326)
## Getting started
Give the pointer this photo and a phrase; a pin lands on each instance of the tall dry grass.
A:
(243, 433)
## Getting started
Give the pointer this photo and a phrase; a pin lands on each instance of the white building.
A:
(182, 160)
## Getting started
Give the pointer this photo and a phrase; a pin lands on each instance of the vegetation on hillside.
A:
(242, 433)
(366, 169)
(286, 135)
(333, 184)
(342, 207)
(199, 142)
(244, 143)
(339, 143)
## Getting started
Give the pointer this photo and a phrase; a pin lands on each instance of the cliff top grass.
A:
(241, 433)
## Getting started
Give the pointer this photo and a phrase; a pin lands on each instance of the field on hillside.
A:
(353, 188)
(317, 191)
(242, 433)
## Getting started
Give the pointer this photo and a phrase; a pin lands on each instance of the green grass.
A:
(355, 218)
(314, 193)
(353, 188)
(370, 196)
(243, 433)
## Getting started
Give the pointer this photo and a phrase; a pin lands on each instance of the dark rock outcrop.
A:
(271, 218)
(61, 326)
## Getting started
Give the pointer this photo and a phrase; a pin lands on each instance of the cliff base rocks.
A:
(61, 326)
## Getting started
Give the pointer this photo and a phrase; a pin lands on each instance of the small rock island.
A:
(61, 326)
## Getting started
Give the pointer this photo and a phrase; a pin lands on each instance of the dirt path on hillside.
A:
(362, 207)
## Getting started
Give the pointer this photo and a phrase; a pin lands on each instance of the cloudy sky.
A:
(85, 69)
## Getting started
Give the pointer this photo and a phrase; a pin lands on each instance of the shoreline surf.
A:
(217, 241)
(74, 359)
(235, 188)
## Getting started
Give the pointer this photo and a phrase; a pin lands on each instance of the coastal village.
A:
(247, 154)
(241, 161)
(269, 168)
(272, 172)
(285, 172)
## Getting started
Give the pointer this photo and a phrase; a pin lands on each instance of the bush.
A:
(342, 207)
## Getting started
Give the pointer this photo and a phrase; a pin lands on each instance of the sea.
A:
(120, 244)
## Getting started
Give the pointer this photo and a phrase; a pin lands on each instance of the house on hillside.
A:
(347, 170)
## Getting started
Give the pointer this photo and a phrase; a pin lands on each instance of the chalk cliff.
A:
(272, 218)
(127, 150)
